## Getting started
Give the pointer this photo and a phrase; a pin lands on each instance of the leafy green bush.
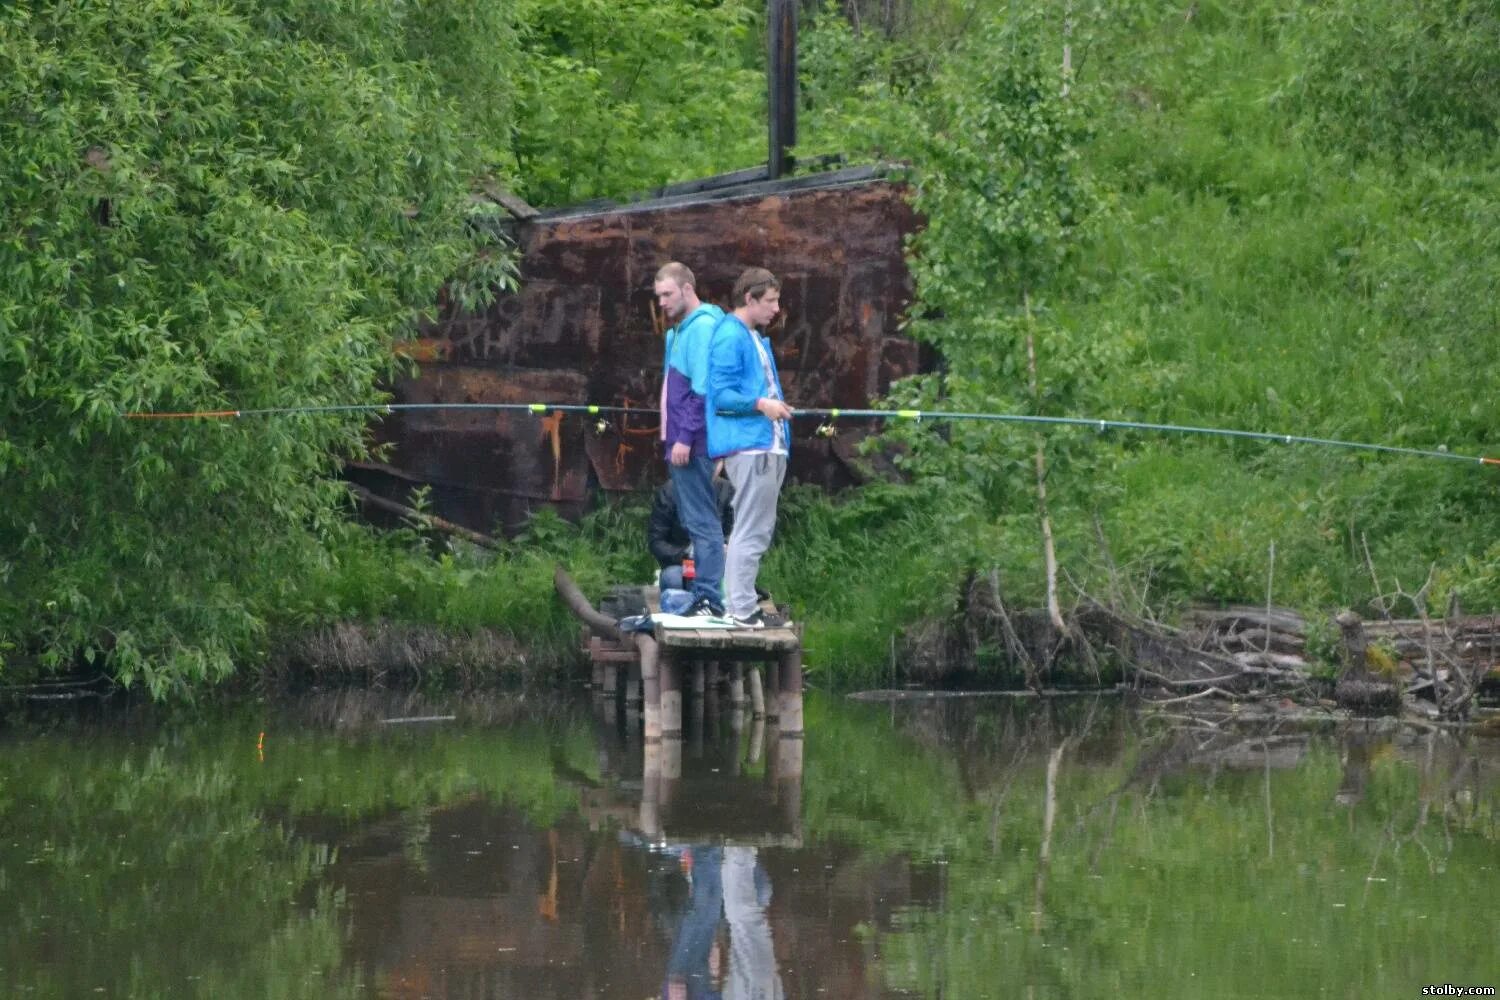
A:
(1399, 76)
(619, 96)
(210, 207)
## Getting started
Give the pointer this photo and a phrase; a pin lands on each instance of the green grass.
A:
(407, 576)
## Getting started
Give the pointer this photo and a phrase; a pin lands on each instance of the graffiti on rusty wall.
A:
(580, 329)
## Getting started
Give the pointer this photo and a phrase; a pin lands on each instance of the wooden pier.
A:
(762, 666)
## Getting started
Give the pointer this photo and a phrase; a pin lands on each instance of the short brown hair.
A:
(673, 271)
(755, 282)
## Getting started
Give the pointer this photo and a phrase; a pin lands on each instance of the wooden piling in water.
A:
(650, 686)
(757, 695)
(737, 685)
(650, 815)
(772, 686)
(789, 693)
(633, 689)
(671, 695)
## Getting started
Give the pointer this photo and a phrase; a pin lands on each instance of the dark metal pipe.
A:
(781, 69)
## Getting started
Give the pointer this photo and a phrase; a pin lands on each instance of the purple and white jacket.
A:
(684, 384)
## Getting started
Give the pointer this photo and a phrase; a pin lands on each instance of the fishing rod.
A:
(277, 411)
(832, 414)
(1134, 425)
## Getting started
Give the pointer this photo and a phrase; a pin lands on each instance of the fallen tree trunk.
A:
(426, 520)
(600, 624)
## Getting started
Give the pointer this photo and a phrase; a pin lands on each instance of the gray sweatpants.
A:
(757, 485)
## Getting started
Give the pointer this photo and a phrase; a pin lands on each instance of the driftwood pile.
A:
(1429, 667)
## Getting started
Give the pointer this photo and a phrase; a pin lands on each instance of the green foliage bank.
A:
(1232, 215)
(212, 205)
(1235, 215)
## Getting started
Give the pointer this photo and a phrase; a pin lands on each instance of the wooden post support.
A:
(773, 686)
(651, 791)
(671, 773)
(737, 685)
(757, 739)
(598, 684)
(788, 759)
(757, 695)
(699, 710)
(789, 782)
(737, 739)
(650, 685)
(711, 700)
(611, 679)
(671, 695)
(633, 685)
(790, 693)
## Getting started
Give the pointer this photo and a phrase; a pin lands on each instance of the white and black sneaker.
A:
(759, 619)
(703, 608)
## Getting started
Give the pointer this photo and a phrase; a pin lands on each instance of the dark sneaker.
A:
(759, 619)
(703, 608)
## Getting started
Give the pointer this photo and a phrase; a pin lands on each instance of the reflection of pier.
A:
(703, 806)
(661, 877)
(732, 780)
(761, 668)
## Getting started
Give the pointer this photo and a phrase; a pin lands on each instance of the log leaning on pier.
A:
(604, 626)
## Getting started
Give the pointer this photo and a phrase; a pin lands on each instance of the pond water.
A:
(361, 844)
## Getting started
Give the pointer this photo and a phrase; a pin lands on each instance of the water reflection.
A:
(537, 847)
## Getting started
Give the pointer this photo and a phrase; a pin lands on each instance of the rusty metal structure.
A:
(582, 327)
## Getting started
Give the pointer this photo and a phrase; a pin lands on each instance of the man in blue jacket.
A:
(684, 435)
(749, 426)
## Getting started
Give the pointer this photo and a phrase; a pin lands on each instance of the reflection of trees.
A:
(147, 872)
(158, 856)
(462, 858)
(1213, 846)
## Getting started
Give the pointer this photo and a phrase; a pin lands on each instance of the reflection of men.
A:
(684, 388)
(748, 427)
(688, 974)
(752, 958)
(668, 539)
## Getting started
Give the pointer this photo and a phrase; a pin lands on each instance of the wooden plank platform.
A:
(729, 643)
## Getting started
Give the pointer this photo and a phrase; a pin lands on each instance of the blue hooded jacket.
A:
(686, 379)
(736, 379)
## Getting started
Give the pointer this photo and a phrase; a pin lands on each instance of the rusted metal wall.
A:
(581, 330)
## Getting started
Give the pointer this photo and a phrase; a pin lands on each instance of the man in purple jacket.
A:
(683, 429)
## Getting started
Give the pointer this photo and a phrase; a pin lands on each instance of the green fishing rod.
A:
(831, 414)
(1135, 425)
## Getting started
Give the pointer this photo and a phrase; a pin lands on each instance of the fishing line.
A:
(833, 414)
